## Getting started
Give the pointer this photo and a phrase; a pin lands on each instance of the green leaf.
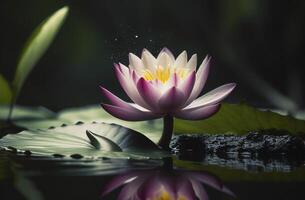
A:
(113, 141)
(39, 118)
(232, 118)
(240, 119)
(24, 114)
(101, 142)
(36, 46)
(5, 91)
(152, 129)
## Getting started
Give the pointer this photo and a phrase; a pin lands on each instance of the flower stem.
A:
(167, 163)
(9, 117)
(168, 125)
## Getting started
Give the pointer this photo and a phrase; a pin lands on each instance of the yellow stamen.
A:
(163, 195)
(163, 74)
(148, 75)
(181, 197)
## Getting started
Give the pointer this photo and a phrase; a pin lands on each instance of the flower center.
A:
(162, 195)
(163, 74)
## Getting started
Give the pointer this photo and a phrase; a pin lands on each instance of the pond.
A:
(26, 177)
(64, 157)
(55, 163)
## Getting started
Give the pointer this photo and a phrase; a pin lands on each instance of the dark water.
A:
(25, 177)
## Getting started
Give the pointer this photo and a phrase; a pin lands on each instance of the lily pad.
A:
(152, 129)
(235, 119)
(232, 118)
(83, 140)
(40, 118)
(241, 119)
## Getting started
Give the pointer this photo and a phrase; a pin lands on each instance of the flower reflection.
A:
(165, 185)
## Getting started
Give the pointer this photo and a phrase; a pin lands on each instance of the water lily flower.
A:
(165, 185)
(165, 87)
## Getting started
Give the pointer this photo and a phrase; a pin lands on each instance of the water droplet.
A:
(12, 149)
(76, 156)
(27, 152)
(79, 123)
(58, 155)
(115, 39)
(136, 36)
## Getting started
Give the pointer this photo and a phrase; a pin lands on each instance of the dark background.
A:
(257, 43)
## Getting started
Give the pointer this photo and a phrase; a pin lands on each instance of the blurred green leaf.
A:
(36, 46)
(22, 113)
(28, 188)
(5, 91)
(241, 119)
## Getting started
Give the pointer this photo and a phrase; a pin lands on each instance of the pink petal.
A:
(183, 188)
(199, 190)
(187, 85)
(149, 93)
(211, 181)
(148, 60)
(228, 191)
(136, 63)
(214, 96)
(123, 69)
(171, 55)
(181, 60)
(152, 186)
(130, 190)
(197, 113)
(201, 77)
(192, 63)
(119, 181)
(171, 99)
(129, 114)
(135, 77)
(164, 60)
(114, 99)
(168, 53)
(129, 87)
(174, 80)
